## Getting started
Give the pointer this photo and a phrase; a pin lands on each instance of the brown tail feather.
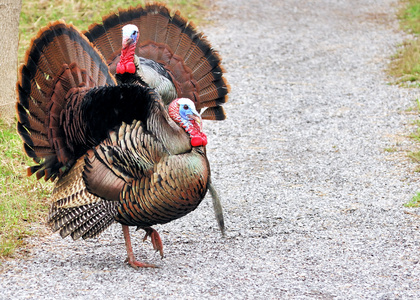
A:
(84, 224)
(77, 212)
(170, 39)
(86, 221)
(34, 137)
(154, 23)
(59, 58)
(102, 224)
(214, 113)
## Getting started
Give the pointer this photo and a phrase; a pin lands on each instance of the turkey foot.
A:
(156, 241)
(130, 256)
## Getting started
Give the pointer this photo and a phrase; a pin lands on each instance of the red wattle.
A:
(120, 68)
(196, 141)
(204, 140)
(130, 67)
(200, 140)
(126, 63)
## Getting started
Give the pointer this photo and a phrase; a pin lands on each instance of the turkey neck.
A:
(172, 136)
(139, 70)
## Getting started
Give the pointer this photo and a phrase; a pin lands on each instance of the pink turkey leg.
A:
(130, 256)
(156, 241)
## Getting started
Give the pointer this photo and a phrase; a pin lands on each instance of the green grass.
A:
(405, 68)
(405, 65)
(414, 202)
(415, 135)
(81, 13)
(410, 16)
(24, 200)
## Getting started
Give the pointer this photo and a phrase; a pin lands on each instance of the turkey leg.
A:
(130, 256)
(156, 241)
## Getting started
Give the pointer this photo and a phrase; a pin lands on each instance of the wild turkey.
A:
(168, 54)
(118, 153)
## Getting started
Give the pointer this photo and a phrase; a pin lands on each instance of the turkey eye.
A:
(185, 106)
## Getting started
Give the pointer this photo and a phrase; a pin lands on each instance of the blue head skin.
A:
(130, 34)
(183, 112)
(188, 113)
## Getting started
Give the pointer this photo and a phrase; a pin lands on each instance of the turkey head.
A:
(126, 64)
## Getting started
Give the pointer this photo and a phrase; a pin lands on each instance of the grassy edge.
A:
(23, 200)
(405, 69)
(405, 64)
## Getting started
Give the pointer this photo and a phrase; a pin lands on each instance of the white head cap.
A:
(129, 31)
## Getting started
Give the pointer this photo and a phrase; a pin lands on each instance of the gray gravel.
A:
(313, 202)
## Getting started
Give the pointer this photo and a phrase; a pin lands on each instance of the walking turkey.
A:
(117, 151)
(168, 54)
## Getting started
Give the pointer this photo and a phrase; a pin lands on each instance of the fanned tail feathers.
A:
(171, 40)
(60, 58)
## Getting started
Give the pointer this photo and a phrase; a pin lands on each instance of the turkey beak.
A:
(197, 118)
(126, 42)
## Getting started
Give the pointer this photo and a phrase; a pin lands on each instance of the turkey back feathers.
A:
(172, 41)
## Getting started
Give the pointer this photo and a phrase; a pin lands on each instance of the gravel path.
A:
(313, 202)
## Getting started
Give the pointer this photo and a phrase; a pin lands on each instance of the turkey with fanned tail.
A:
(160, 47)
(116, 151)
(156, 47)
